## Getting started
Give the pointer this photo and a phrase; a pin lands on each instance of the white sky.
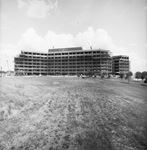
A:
(37, 25)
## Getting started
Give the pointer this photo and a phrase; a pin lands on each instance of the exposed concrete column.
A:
(32, 63)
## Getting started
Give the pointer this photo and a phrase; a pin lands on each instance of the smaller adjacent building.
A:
(120, 64)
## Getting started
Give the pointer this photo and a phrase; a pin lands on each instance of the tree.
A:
(103, 74)
(121, 75)
(109, 76)
(89, 73)
(145, 81)
(129, 74)
(144, 75)
(138, 75)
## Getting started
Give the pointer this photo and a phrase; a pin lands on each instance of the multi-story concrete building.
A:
(64, 61)
(74, 61)
(120, 64)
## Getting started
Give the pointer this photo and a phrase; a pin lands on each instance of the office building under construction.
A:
(64, 61)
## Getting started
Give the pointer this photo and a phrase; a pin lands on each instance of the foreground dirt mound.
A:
(71, 113)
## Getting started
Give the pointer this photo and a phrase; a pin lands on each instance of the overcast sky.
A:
(37, 25)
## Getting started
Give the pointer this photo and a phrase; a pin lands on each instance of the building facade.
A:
(30, 63)
(64, 61)
(75, 61)
(120, 64)
(70, 61)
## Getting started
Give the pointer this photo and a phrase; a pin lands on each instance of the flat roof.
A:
(73, 49)
(22, 51)
(64, 49)
(120, 56)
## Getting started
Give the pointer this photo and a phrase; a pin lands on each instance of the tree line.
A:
(138, 75)
(141, 75)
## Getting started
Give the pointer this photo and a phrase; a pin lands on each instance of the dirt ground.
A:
(58, 113)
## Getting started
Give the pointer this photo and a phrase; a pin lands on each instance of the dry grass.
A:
(52, 113)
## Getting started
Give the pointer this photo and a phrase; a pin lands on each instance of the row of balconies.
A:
(86, 57)
(117, 65)
(120, 58)
(30, 65)
(62, 56)
(79, 61)
(35, 71)
(77, 53)
(31, 57)
(25, 68)
(57, 70)
(62, 67)
(65, 53)
(120, 70)
(78, 67)
(61, 60)
(121, 63)
(121, 67)
(51, 62)
(68, 59)
(77, 64)
(81, 57)
(61, 71)
(63, 63)
(33, 53)
(30, 60)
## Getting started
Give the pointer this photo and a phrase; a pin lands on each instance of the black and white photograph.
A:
(73, 74)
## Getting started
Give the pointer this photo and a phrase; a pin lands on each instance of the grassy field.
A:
(59, 113)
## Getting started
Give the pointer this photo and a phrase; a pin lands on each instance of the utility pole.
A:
(8, 65)
(129, 73)
(1, 71)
